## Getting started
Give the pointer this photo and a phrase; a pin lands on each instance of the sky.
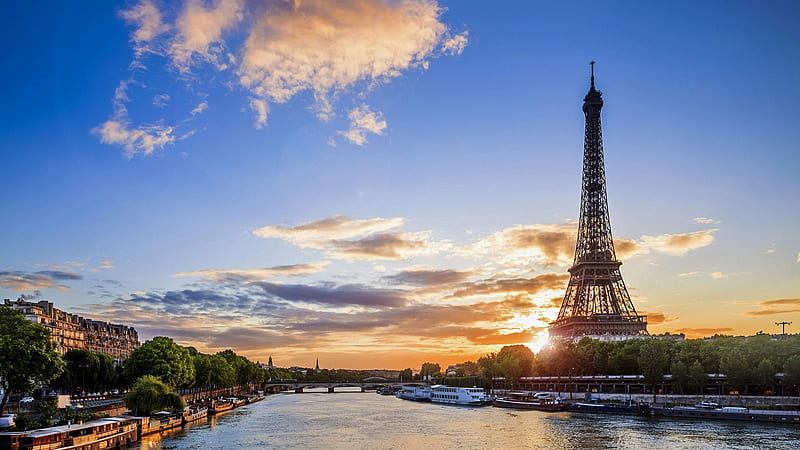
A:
(381, 183)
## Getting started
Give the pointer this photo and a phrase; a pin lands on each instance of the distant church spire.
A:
(317, 367)
(269, 363)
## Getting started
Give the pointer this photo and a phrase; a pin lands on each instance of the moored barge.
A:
(101, 433)
(727, 413)
(527, 400)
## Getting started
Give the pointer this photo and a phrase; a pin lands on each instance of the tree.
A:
(429, 369)
(697, 377)
(406, 374)
(764, 374)
(653, 362)
(791, 371)
(515, 361)
(27, 354)
(471, 369)
(149, 394)
(680, 375)
(736, 370)
(47, 410)
(164, 359)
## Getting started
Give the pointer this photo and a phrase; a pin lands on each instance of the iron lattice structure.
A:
(596, 303)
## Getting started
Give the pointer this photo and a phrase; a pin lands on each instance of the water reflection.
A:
(366, 420)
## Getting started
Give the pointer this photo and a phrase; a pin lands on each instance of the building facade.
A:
(73, 332)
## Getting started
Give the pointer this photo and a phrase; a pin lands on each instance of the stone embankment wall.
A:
(750, 401)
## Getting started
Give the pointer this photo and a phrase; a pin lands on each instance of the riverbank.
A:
(747, 401)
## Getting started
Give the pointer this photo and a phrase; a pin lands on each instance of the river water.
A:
(354, 420)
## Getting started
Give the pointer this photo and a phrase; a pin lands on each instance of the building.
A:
(596, 303)
(73, 332)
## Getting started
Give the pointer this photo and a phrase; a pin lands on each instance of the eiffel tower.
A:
(596, 303)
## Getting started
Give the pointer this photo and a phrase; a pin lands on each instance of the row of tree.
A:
(747, 362)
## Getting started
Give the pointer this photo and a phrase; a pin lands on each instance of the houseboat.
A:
(158, 422)
(101, 433)
(195, 413)
(416, 393)
(611, 408)
(451, 395)
(529, 400)
(218, 406)
(727, 413)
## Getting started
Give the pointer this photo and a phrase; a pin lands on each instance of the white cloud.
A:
(278, 49)
(118, 130)
(261, 109)
(363, 121)
(202, 106)
(308, 234)
(148, 20)
(705, 221)
(718, 275)
(456, 44)
(689, 274)
(161, 100)
(199, 32)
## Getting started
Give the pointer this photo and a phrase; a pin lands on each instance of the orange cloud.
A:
(655, 318)
(678, 244)
(255, 274)
(779, 306)
(352, 239)
(539, 283)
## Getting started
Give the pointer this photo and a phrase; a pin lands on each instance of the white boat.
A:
(451, 395)
(418, 393)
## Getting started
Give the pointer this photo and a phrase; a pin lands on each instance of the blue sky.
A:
(398, 163)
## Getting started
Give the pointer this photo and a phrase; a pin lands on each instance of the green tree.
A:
(653, 362)
(515, 361)
(47, 410)
(428, 369)
(697, 377)
(27, 354)
(164, 359)
(83, 368)
(406, 374)
(488, 365)
(471, 369)
(149, 394)
(623, 359)
(791, 371)
(735, 368)
(680, 375)
(764, 374)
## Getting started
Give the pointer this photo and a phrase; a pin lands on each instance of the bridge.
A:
(299, 386)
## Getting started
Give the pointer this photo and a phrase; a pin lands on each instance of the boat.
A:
(101, 433)
(386, 390)
(416, 393)
(451, 395)
(158, 422)
(529, 400)
(195, 413)
(218, 406)
(611, 408)
(727, 413)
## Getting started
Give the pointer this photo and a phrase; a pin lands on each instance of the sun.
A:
(541, 341)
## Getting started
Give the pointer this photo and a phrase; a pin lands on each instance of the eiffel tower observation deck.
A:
(596, 303)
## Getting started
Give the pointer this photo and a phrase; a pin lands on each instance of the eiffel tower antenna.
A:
(596, 303)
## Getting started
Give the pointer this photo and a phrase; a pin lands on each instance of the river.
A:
(354, 420)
